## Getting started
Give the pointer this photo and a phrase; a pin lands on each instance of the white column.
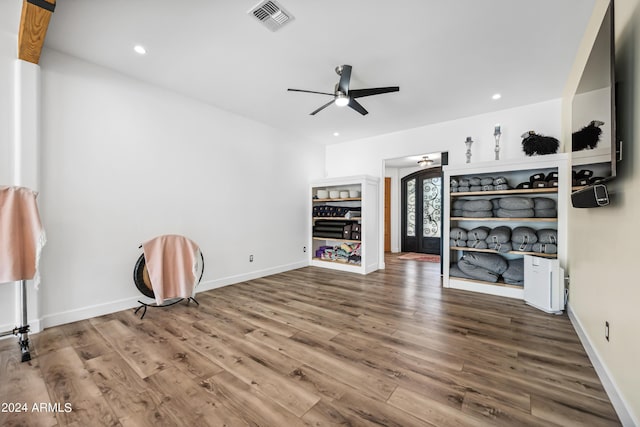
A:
(26, 156)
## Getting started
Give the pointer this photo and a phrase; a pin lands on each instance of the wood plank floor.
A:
(312, 347)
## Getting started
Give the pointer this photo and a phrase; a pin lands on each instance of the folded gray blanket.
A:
(515, 202)
(543, 203)
(488, 187)
(515, 270)
(547, 235)
(524, 235)
(477, 205)
(459, 203)
(515, 213)
(501, 180)
(474, 181)
(457, 243)
(502, 187)
(456, 212)
(477, 244)
(503, 248)
(491, 262)
(545, 213)
(463, 188)
(545, 248)
(514, 282)
(522, 247)
(455, 271)
(478, 233)
(501, 234)
(454, 189)
(477, 272)
(486, 181)
(475, 188)
(477, 214)
(463, 183)
(453, 182)
(458, 233)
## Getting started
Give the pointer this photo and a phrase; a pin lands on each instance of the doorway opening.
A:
(421, 211)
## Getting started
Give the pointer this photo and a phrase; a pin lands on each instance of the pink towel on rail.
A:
(21, 235)
(172, 263)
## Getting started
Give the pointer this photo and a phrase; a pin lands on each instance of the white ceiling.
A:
(448, 56)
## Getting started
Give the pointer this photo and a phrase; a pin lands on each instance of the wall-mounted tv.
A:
(593, 119)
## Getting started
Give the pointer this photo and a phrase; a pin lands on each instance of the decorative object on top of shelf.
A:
(587, 137)
(322, 194)
(533, 143)
(334, 194)
(468, 143)
(354, 194)
(425, 161)
(496, 135)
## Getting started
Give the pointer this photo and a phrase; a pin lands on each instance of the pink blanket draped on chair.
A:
(21, 235)
(172, 263)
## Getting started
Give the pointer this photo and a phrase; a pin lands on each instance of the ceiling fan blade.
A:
(321, 108)
(311, 91)
(359, 93)
(357, 106)
(345, 78)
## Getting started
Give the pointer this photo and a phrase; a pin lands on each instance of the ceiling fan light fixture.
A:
(342, 100)
(425, 161)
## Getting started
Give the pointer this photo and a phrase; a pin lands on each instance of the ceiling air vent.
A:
(271, 14)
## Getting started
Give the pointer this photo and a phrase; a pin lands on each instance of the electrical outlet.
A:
(606, 330)
(304, 249)
(250, 258)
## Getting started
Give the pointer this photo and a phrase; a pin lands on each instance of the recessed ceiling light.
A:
(140, 49)
(336, 134)
(496, 96)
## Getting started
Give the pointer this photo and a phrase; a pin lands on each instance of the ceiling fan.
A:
(343, 96)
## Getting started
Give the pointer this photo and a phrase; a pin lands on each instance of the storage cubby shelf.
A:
(348, 199)
(336, 218)
(337, 239)
(361, 232)
(495, 218)
(480, 282)
(515, 171)
(507, 192)
(491, 251)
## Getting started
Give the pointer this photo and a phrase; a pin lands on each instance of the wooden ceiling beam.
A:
(33, 28)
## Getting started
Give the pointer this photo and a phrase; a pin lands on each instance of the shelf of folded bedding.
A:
(338, 218)
(500, 282)
(491, 251)
(347, 199)
(339, 261)
(497, 218)
(337, 239)
(507, 192)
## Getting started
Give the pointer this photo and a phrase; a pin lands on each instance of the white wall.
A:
(365, 156)
(123, 162)
(604, 285)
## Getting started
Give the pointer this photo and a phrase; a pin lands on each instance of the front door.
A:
(422, 211)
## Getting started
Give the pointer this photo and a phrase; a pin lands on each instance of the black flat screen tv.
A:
(593, 119)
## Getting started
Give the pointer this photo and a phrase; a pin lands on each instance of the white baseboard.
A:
(619, 404)
(132, 302)
(225, 281)
(83, 313)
